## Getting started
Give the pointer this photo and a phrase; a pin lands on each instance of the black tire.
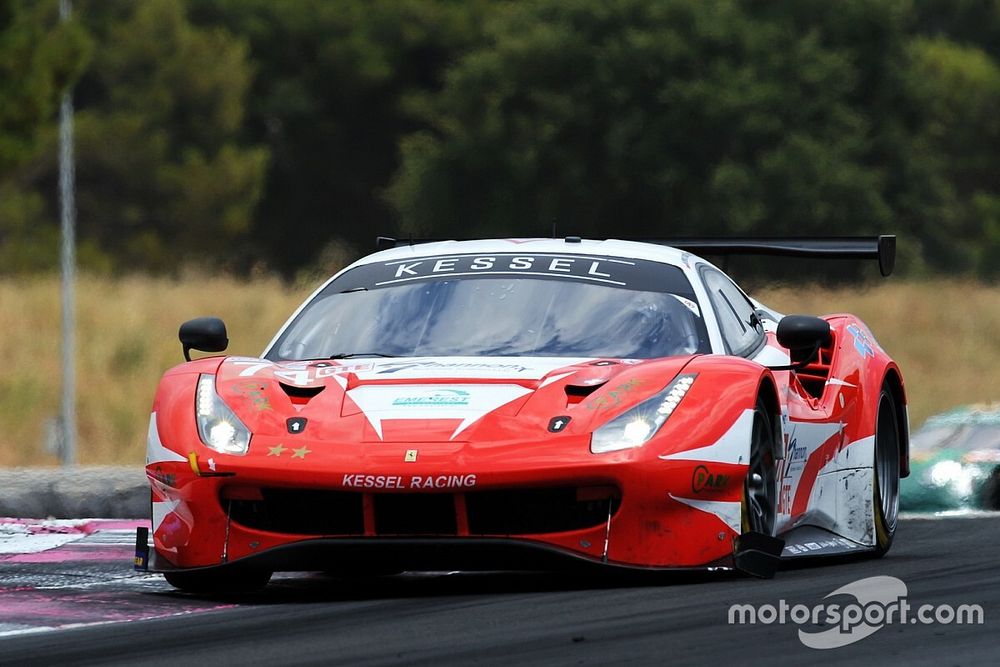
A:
(885, 473)
(760, 488)
(219, 581)
(989, 495)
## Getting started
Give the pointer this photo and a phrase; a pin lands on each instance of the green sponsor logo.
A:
(440, 397)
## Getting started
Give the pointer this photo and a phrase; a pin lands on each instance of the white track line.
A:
(950, 514)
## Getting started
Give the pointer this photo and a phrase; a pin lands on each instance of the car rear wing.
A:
(882, 248)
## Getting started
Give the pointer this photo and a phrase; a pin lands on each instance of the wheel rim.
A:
(760, 488)
(887, 462)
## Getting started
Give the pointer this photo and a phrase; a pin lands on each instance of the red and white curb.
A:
(21, 538)
(60, 574)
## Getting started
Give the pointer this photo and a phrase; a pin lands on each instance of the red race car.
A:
(529, 404)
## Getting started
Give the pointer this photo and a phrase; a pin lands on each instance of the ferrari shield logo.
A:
(410, 456)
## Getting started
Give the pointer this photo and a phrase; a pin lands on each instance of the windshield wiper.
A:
(351, 355)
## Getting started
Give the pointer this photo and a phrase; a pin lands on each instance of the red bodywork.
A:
(670, 501)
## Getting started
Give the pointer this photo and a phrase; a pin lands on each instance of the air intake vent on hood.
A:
(300, 395)
(575, 393)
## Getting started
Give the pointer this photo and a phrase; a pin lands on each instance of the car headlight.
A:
(636, 426)
(960, 479)
(219, 427)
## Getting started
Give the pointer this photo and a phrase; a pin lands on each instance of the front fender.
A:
(722, 397)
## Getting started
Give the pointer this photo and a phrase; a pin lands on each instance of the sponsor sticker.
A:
(163, 477)
(591, 269)
(362, 481)
(255, 392)
(458, 366)
(820, 545)
(435, 397)
(861, 341)
(614, 397)
(704, 480)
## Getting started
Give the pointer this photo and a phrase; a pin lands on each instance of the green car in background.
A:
(955, 462)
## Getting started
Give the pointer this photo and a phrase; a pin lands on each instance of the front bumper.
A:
(618, 510)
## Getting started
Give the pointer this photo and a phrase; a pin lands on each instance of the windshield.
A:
(495, 315)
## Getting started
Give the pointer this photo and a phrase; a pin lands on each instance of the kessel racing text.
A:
(359, 481)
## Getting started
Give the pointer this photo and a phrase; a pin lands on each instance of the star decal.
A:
(276, 451)
(300, 453)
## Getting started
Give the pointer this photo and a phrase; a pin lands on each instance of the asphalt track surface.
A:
(85, 608)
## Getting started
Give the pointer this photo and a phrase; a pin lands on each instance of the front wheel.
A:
(885, 476)
(760, 489)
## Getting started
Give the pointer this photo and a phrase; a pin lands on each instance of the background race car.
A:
(955, 462)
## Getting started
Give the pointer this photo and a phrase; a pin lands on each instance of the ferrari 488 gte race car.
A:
(529, 404)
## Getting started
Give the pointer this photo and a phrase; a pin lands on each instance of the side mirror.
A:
(803, 336)
(206, 334)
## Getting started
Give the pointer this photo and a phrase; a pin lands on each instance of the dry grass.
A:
(126, 337)
(946, 337)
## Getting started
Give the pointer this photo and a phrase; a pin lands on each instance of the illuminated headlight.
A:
(961, 479)
(946, 473)
(636, 426)
(219, 427)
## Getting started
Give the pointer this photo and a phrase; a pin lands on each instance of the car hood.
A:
(437, 399)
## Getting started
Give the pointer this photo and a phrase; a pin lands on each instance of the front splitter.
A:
(423, 554)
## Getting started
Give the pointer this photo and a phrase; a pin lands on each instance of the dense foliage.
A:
(247, 133)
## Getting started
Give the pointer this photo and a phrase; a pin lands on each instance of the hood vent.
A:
(575, 393)
(300, 395)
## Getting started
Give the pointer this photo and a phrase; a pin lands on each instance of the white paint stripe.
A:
(13, 629)
(770, 356)
(949, 514)
(28, 537)
(19, 539)
(155, 451)
(68, 626)
(161, 510)
(550, 380)
(856, 454)
(733, 447)
(467, 402)
(730, 512)
(103, 538)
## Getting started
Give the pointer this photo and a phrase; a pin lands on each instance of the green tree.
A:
(162, 179)
(965, 22)
(673, 118)
(959, 91)
(40, 57)
(336, 88)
